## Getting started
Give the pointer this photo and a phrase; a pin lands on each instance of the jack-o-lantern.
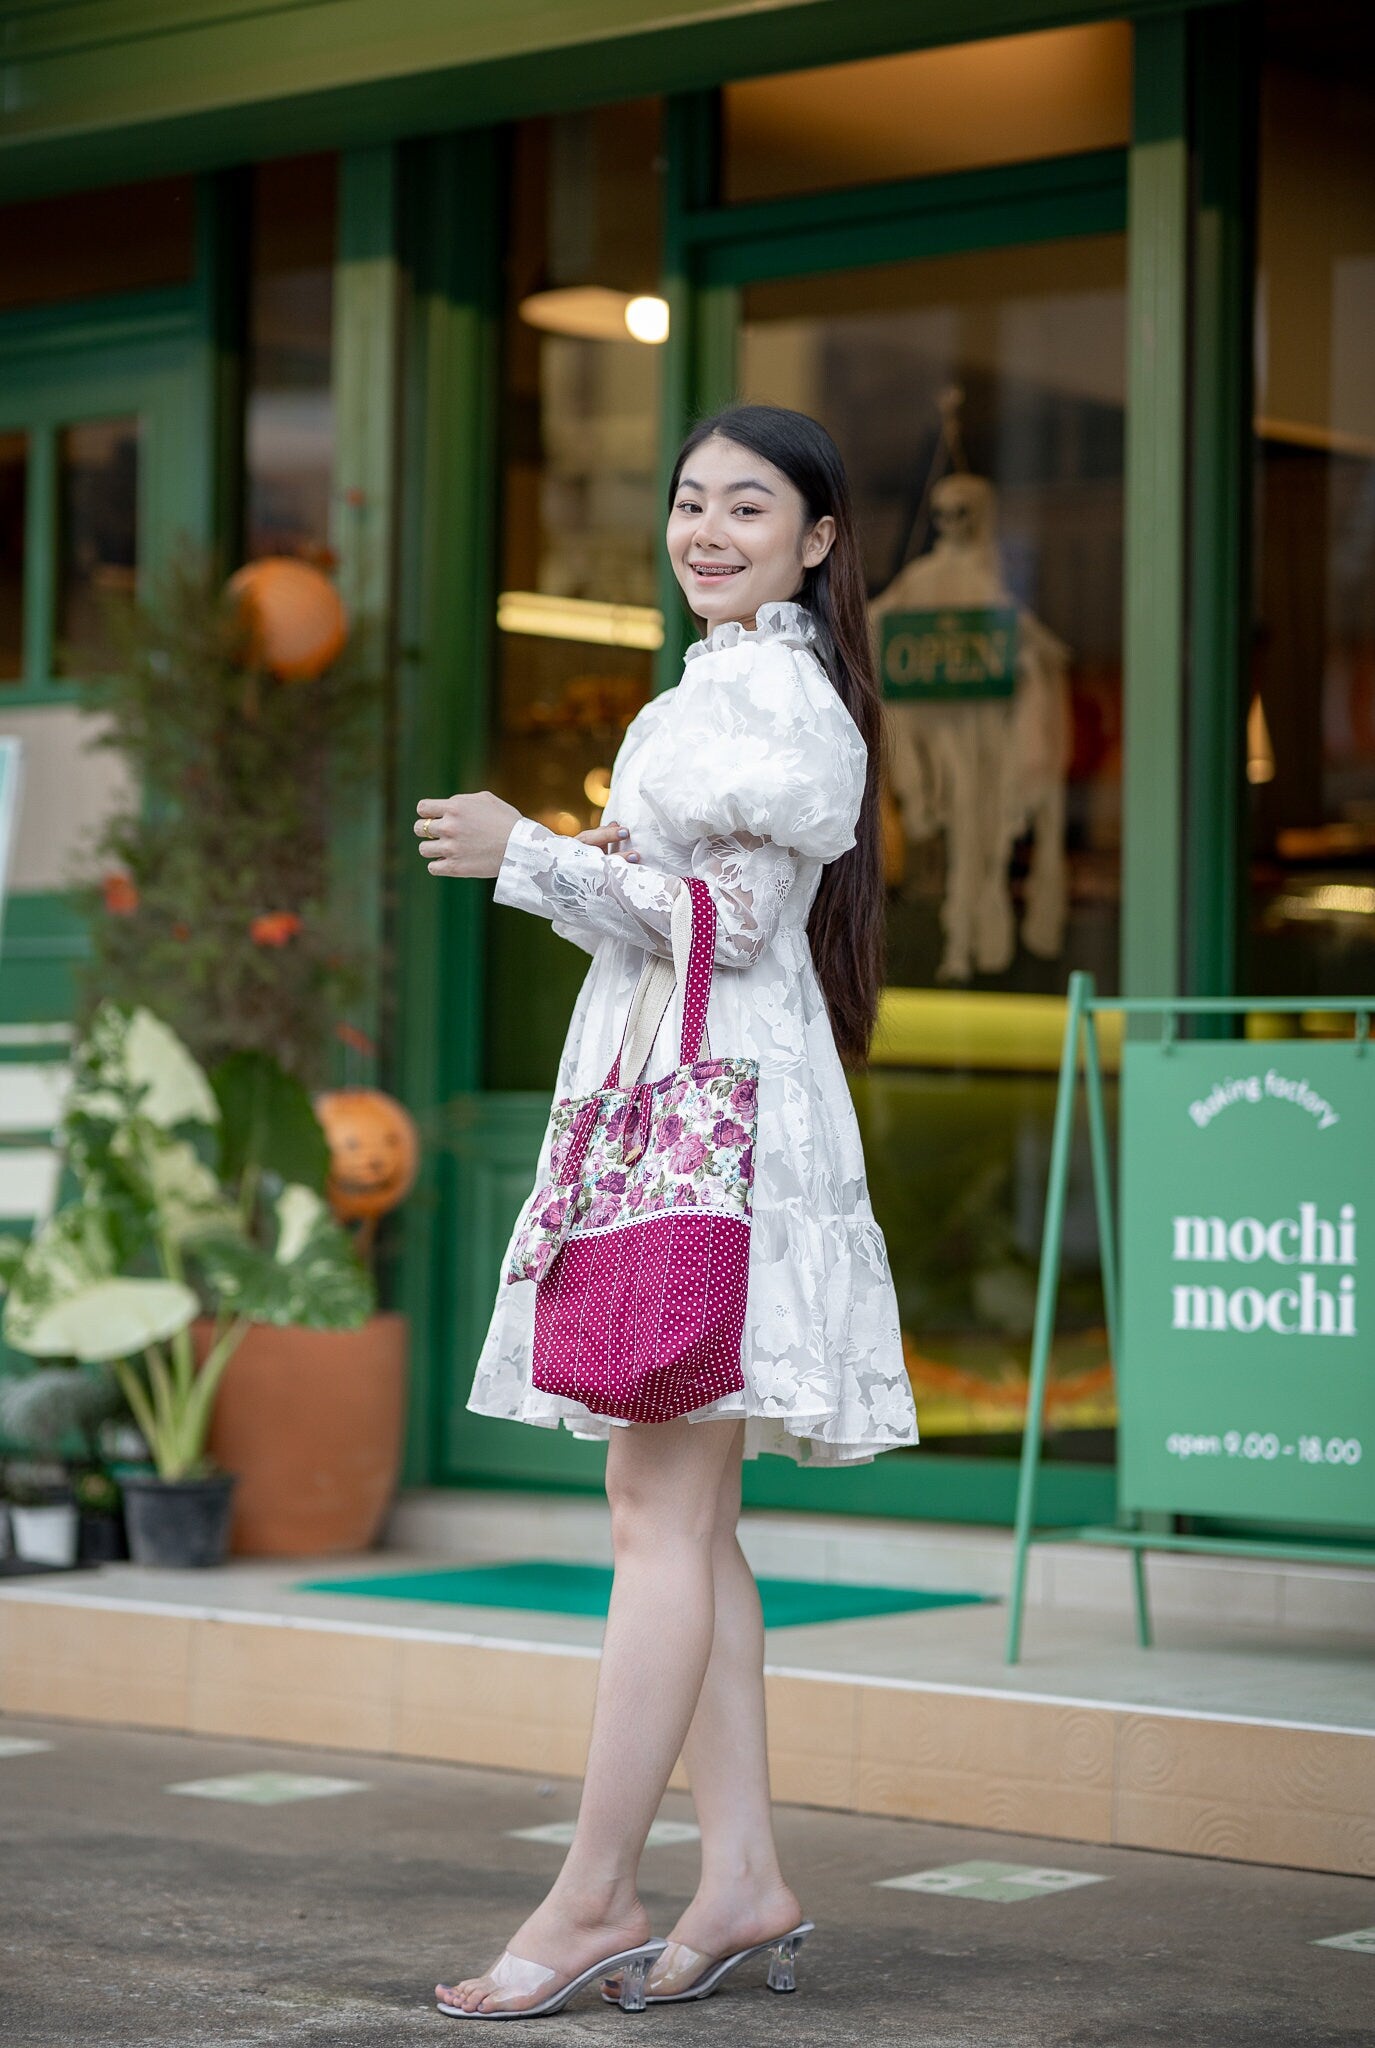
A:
(373, 1151)
(297, 617)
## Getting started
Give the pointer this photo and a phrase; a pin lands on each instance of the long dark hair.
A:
(846, 926)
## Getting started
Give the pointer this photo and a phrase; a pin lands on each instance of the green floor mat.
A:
(544, 1587)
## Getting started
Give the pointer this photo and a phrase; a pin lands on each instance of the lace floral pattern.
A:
(683, 1143)
(749, 774)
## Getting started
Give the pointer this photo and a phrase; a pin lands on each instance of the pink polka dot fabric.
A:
(641, 1242)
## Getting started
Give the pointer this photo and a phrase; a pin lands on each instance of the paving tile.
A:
(1001, 1884)
(267, 1788)
(664, 1834)
(1362, 1941)
(19, 1745)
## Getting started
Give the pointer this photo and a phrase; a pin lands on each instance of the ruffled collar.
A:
(782, 621)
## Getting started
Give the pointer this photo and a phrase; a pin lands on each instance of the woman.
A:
(759, 774)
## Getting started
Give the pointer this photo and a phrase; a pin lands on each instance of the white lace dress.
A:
(749, 774)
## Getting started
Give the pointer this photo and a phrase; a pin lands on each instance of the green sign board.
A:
(948, 656)
(1246, 1369)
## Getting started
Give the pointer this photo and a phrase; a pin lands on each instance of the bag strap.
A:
(693, 936)
(695, 978)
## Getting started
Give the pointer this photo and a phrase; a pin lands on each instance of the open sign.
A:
(950, 655)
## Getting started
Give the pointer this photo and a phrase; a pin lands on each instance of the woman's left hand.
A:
(464, 835)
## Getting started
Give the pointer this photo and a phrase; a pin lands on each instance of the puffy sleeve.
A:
(767, 750)
(758, 766)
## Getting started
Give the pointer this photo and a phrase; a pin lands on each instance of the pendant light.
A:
(575, 296)
(594, 312)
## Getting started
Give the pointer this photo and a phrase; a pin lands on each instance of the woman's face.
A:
(738, 533)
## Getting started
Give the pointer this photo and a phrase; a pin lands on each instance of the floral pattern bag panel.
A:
(639, 1241)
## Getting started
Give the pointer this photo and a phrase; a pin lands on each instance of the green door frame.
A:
(721, 250)
(482, 1169)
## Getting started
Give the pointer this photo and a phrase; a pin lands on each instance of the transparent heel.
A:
(783, 1964)
(633, 1974)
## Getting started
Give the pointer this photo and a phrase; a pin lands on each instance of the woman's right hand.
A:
(610, 838)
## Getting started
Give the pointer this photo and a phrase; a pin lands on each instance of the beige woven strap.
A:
(654, 993)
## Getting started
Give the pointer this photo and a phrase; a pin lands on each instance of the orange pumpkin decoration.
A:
(374, 1151)
(297, 617)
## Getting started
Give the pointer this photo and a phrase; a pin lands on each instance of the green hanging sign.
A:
(948, 655)
(1246, 1372)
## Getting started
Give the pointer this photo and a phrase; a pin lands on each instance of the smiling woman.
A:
(736, 541)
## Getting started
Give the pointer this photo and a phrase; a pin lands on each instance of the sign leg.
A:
(1047, 1295)
(1142, 1599)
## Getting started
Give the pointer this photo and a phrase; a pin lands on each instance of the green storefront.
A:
(287, 276)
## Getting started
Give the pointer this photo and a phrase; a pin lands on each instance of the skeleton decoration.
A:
(986, 770)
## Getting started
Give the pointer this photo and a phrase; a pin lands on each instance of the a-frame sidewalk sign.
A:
(1240, 1312)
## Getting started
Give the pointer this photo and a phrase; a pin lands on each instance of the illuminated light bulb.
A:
(579, 618)
(1260, 752)
(562, 822)
(597, 786)
(646, 318)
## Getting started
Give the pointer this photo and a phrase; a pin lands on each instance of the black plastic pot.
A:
(101, 1538)
(178, 1523)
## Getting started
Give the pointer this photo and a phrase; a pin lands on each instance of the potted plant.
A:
(312, 1420)
(43, 1513)
(182, 1216)
(59, 1412)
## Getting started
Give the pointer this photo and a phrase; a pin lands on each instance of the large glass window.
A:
(979, 403)
(581, 522)
(1006, 100)
(289, 418)
(1311, 720)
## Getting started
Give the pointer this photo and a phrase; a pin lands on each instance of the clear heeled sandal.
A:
(682, 1973)
(513, 1978)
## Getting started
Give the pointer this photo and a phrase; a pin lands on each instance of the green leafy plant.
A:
(194, 1198)
(51, 1407)
(216, 900)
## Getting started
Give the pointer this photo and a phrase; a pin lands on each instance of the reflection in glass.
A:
(1310, 718)
(1002, 809)
(97, 558)
(289, 416)
(14, 466)
(1033, 339)
(581, 522)
(1005, 100)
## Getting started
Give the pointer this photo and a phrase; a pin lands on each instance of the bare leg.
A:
(663, 1481)
(741, 1898)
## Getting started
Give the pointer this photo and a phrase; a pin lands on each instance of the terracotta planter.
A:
(310, 1422)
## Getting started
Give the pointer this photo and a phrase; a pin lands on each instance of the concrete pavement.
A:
(132, 1913)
